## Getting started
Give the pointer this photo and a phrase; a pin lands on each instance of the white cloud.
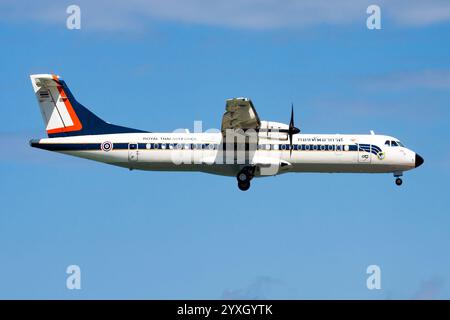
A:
(17, 150)
(418, 13)
(246, 14)
(424, 79)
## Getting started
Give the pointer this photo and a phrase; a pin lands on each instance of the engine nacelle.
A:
(271, 130)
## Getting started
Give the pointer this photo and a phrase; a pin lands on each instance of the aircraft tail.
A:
(63, 115)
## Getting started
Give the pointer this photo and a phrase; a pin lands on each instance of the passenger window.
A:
(394, 144)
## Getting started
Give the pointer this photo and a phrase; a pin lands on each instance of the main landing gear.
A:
(243, 177)
(398, 180)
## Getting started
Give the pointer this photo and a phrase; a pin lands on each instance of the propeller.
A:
(292, 129)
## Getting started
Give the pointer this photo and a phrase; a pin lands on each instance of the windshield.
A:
(394, 143)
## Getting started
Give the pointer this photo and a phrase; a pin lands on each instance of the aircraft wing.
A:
(240, 114)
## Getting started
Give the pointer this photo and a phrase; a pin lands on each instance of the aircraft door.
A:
(133, 152)
(364, 153)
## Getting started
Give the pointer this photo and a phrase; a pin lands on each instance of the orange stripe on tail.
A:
(76, 122)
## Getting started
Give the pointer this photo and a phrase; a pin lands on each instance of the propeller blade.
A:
(291, 129)
(291, 123)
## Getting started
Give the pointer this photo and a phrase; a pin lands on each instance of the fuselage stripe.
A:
(204, 146)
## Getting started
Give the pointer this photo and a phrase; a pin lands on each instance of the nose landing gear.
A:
(244, 186)
(243, 177)
(398, 180)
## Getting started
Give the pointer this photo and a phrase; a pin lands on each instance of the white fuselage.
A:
(203, 152)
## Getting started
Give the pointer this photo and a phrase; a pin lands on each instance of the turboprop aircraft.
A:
(245, 147)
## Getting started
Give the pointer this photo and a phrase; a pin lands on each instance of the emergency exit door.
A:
(364, 153)
(133, 152)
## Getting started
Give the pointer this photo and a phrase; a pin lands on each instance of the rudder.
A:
(63, 115)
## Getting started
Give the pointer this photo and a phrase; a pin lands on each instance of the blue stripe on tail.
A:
(91, 124)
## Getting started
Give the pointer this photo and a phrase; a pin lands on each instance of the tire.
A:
(243, 177)
(244, 186)
(398, 181)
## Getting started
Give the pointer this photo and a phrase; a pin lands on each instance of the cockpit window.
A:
(394, 143)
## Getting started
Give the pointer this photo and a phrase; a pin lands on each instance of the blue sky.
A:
(160, 66)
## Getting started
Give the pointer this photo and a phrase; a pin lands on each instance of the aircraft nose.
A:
(419, 160)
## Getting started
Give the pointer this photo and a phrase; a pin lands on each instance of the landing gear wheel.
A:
(244, 186)
(243, 177)
(398, 181)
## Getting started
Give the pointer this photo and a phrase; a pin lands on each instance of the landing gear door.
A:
(364, 153)
(133, 152)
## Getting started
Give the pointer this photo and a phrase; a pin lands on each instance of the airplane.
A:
(245, 147)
